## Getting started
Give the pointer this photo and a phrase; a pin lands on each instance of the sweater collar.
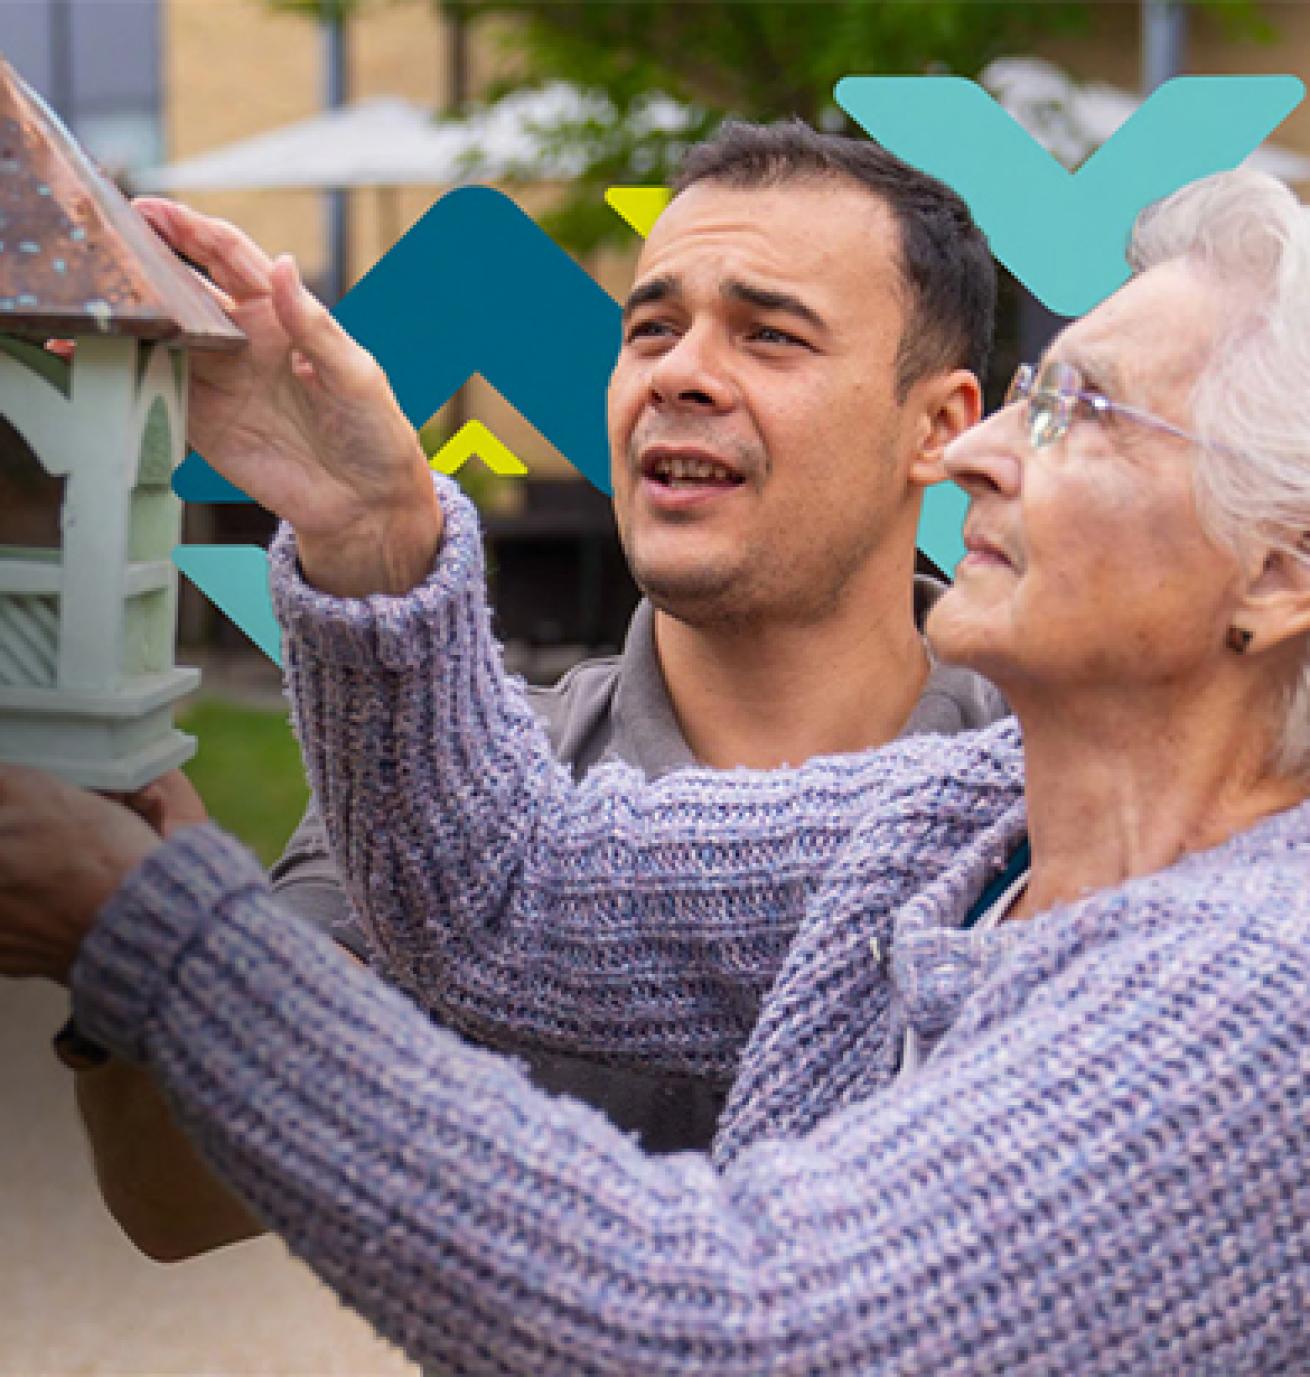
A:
(935, 965)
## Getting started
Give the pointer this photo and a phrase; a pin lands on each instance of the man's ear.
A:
(947, 406)
(1275, 608)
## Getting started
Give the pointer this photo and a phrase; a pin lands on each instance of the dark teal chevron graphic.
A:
(476, 287)
(195, 481)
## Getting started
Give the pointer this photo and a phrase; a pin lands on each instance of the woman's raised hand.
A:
(303, 419)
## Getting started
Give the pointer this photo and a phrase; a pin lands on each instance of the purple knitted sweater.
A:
(1102, 1168)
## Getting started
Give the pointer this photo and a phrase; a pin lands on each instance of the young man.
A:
(808, 323)
(805, 334)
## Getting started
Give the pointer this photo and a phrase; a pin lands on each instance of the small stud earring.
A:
(1238, 639)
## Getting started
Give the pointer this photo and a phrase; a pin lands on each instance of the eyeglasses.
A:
(1058, 394)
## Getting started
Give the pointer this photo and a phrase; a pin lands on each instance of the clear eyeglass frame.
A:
(1057, 393)
(1054, 394)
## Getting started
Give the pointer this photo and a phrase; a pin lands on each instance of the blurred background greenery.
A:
(754, 59)
(248, 771)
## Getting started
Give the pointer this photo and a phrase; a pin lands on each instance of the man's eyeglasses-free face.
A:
(1058, 393)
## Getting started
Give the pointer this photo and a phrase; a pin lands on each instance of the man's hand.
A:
(304, 420)
(168, 804)
(161, 1193)
(63, 853)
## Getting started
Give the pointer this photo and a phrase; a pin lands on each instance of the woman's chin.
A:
(961, 630)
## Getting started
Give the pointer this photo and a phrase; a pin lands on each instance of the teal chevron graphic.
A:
(235, 579)
(195, 481)
(941, 524)
(1063, 234)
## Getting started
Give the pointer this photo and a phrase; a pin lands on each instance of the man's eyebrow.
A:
(657, 289)
(766, 299)
(667, 286)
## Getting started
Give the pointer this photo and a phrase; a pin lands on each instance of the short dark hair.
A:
(944, 258)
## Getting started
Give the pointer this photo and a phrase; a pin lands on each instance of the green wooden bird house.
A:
(88, 445)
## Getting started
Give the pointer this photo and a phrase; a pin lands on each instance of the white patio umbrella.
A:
(386, 142)
(1071, 120)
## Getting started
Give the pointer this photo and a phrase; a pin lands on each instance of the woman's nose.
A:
(988, 458)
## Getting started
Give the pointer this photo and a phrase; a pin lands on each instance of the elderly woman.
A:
(1018, 1024)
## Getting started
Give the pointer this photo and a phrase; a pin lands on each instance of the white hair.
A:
(1248, 234)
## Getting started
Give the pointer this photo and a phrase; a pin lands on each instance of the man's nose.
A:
(989, 457)
(692, 372)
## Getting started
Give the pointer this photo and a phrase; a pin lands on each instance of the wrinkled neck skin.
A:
(767, 694)
(1124, 781)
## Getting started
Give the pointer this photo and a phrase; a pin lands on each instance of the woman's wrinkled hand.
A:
(63, 853)
(303, 418)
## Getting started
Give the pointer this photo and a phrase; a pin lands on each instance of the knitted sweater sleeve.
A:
(1106, 1177)
(616, 919)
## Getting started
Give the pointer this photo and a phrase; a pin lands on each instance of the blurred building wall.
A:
(1110, 52)
(237, 68)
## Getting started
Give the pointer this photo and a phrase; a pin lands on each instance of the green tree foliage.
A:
(756, 59)
(319, 9)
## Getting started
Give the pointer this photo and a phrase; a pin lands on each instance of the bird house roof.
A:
(75, 258)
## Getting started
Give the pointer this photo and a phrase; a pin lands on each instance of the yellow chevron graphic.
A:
(640, 206)
(473, 438)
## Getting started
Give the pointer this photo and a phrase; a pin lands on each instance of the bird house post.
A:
(88, 445)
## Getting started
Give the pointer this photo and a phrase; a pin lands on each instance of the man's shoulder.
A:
(577, 710)
(578, 689)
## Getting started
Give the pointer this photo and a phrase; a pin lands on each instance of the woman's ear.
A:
(1275, 608)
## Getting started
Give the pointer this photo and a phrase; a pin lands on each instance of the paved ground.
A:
(76, 1297)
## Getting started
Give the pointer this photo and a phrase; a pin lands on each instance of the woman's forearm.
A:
(612, 918)
(1061, 1190)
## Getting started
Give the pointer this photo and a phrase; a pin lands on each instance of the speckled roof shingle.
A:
(75, 258)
